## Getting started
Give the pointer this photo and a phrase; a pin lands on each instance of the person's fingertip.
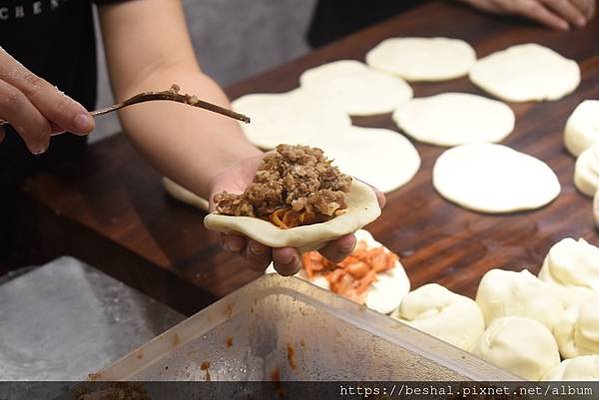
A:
(235, 244)
(287, 261)
(347, 244)
(581, 22)
(83, 123)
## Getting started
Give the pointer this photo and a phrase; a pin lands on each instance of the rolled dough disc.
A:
(423, 59)
(356, 88)
(492, 178)
(451, 119)
(586, 173)
(526, 72)
(289, 118)
(180, 193)
(582, 127)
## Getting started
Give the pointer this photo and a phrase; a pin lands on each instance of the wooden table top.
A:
(109, 208)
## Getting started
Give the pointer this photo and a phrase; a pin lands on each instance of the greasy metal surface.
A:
(65, 319)
(287, 329)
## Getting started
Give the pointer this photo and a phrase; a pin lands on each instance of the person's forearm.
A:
(187, 144)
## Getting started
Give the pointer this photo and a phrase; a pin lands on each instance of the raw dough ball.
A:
(385, 160)
(385, 294)
(586, 174)
(582, 128)
(441, 313)
(583, 368)
(572, 264)
(492, 178)
(291, 117)
(451, 119)
(356, 88)
(184, 195)
(423, 59)
(362, 209)
(507, 293)
(577, 333)
(519, 345)
(526, 72)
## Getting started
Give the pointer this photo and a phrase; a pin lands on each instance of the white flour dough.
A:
(526, 72)
(492, 178)
(586, 174)
(596, 208)
(448, 316)
(519, 345)
(582, 127)
(504, 293)
(577, 333)
(290, 118)
(180, 193)
(356, 88)
(423, 59)
(380, 157)
(451, 119)
(583, 368)
(385, 294)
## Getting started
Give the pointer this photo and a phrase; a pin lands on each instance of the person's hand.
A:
(35, 108)
(287, 260)
(558, 14)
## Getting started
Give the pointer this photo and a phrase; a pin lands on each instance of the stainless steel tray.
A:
(288, 329)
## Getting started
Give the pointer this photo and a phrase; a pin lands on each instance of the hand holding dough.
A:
(508, 293)
(586, 173)
(582, 127)
(577, 333)
(522, 346)
(439, 312)
(582, 368)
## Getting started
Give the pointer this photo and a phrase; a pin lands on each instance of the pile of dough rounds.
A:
(582, 127)
(356, 88)
(522, 346)
(385, 294)
(439, 312)
(492, 178)
(526, 72)
(577, 332)
(423, 59)
(586, 173)
(290, 117)
(180, 193)
(504, 293)
(451, 119)
(583, 368)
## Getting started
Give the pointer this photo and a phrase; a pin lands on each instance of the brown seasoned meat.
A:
(297, 182)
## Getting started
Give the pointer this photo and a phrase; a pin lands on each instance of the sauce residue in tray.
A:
(229, 341)
(229, 310)
(176, 340)
(291, 356)
(204, 367)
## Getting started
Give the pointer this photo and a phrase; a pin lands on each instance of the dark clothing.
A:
(334, 19)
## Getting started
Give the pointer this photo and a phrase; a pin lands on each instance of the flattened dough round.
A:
(492, 178)
(423, 59)
(522, 346)
(290, 117)
(382, 158)
(385, 294)
(356, 88)
(526, 72)
(582, 127)
(362, 208)
(586, 173)
(451, 119)
(583, 368)
(439, 312)
(180, 193)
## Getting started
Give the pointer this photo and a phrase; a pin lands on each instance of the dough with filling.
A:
(504, 293)
(492, 178)
(451, 119)
(423, 59)
(582, 127)
(355, 87)
(526, 72)
(180, 193)
(291, 117)
(439, 312)
(583, 368)
(519, 345)
(586, 173)
(577, 333)
(385, 294)
(362, 208)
